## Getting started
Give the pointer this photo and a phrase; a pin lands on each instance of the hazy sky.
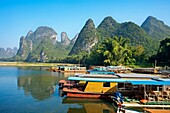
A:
(17, 17)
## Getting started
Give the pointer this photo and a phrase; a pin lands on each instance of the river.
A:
(35, 90)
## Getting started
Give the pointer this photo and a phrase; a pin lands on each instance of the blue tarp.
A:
(150, 82)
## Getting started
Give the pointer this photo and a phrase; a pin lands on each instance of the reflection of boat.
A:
(73, 100)
(93, 106)
(89, 106)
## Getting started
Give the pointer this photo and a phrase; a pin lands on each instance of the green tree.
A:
(117, 51)
(163, 55)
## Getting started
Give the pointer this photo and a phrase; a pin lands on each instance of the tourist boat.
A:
(53, 69)
(99, 72)
(132, 85)
(146, 70)
(72, 69)
(68, 69)
(67, 83)
(71, 84)
(119, 69)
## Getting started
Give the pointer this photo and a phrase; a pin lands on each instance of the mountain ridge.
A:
(42, 44)
(8, 52)
(156, 28)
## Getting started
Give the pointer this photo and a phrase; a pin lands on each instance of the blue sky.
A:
(17, 17)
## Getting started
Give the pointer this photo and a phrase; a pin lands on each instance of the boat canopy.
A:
(153, 82)
(132, 81)
(97, 79)
(133, 75)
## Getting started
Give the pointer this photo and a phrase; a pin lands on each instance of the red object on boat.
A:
(143, 101)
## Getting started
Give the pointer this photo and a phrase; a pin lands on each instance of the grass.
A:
(32, 64)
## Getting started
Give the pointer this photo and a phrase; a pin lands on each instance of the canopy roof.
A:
(150, 82)
(119, 80)
(134, 75)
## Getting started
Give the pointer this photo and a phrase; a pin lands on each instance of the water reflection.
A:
(40, 87)
(89, 106)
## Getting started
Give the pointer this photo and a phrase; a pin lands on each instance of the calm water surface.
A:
(35, 90)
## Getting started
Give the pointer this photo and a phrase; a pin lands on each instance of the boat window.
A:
(124, 86)
(135, 87)
(106, 84)
(121, 86)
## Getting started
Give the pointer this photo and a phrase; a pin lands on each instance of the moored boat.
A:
(136, 86)
(72, 69)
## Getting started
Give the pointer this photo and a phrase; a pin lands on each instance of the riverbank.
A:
(32, 64)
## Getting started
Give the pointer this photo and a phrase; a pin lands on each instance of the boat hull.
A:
(73, 71)
(88, 95)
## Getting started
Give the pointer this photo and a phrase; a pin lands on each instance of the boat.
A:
(53, 69)
(68, 69)
(137, 86)
(146, 70)
(72, 69)
(119, 69)
(99, 72)
(67, 83)
(73, 84)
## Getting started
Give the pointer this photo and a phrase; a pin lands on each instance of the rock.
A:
(86, 39)
(8, 52)
(64, 39)
(74, 39)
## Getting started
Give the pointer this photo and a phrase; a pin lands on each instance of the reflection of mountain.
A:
(40, 87)
(89, 106)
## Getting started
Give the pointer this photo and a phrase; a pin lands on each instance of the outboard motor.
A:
(118, 97)
(118, 101)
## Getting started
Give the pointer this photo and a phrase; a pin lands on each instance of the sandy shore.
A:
(32, 64)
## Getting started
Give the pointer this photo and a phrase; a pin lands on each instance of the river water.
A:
(35, 90)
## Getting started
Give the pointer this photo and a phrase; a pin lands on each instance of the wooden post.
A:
(155, 63)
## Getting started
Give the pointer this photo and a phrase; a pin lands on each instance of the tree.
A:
(163, 54)
(117, 51)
